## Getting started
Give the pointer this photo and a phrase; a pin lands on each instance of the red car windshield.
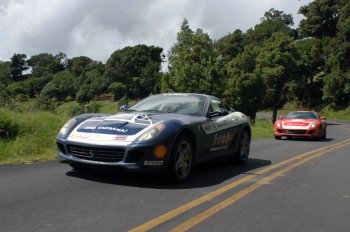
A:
(302, 115)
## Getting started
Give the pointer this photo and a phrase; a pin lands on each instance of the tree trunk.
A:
(274, 114)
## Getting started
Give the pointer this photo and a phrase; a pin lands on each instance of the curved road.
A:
(287, 185)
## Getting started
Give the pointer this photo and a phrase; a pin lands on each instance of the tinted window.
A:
(302, 115)
(217, 104)
(172, 103)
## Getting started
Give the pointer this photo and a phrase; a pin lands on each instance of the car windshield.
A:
(302, 115)
(172, 103)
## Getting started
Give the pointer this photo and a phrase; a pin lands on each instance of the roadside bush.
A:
(8, 128)
(33, 136)
(44, 103)
(71, 109)
(76, 110)
(92, 107)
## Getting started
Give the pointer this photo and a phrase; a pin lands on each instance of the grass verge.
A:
(36, 133)
(35, 138)
(262, 129)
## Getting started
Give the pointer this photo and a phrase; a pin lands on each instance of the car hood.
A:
(122, 127)
(297, 123)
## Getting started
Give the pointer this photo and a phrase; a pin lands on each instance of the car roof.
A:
(303, 111)
(188, 94)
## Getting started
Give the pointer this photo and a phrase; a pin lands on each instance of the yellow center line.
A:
(184, 208)
(227, 202)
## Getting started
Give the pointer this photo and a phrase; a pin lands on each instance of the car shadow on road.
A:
(203, 175)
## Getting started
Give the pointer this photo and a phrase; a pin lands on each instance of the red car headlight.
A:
(314, 125)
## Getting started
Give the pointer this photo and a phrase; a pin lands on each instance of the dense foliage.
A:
(266, 66)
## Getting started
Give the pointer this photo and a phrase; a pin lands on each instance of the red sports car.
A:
(301, 124)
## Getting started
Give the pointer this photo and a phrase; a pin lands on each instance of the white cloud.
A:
(97, 28)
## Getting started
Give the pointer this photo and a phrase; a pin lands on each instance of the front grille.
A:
(96, 154)
(295, 132)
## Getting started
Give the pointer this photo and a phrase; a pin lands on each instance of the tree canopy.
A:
(264, 67)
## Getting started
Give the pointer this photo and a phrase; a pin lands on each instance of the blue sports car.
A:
(165, 133)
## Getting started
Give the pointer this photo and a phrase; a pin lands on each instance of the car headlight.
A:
(153, 132)
(279, 124)
(67, 126)
(313, 125)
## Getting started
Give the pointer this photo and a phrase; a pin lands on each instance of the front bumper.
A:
(133, 157)
(308, 133)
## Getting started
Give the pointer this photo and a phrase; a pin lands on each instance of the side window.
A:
(217, 104)
(214, 105)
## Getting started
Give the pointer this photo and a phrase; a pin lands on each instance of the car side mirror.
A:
(280, 117)
(217, 113)
(124, 107)
(323, 118)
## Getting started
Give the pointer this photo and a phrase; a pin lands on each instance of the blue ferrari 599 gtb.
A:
(165, 133)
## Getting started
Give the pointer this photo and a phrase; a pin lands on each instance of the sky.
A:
(97, 28)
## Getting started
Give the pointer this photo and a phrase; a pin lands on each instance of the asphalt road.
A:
(287, 185)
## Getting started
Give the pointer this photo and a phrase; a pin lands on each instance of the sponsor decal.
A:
(219, 124)
(110, 128)
(222, 139)
(78, 136)
(89, 128)
(224, 122)
(153, 163)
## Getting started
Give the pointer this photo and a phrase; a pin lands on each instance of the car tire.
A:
(242, 154)
(278, 137)
(181, 160)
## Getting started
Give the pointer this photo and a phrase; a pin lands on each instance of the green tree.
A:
(84, 94)
(140, 64)
(118, 90)
(18, 66)
(247, 92)
(34, 85)
(337, 88)
(311, 70)
(245, 87)
(321, 18)
(341, 43)
(192, 63)
(273, 21)
(45, 63)
(230, 45)
(90, 84)
(277, 63)
(5, 72)
(82, 64)
(61, 86)
(5, 78)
